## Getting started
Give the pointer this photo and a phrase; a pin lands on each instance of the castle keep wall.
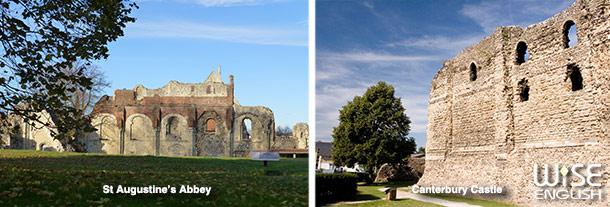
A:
(492, 129)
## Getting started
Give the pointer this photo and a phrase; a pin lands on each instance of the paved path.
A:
(402, 194)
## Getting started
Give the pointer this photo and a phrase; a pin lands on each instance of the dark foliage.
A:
(39, 39)
(331, 187)
(372, 130)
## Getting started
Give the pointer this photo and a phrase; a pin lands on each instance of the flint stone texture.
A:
(300, 132)
(417, 163)
(298, 139)
(395, 172)
(493, 129)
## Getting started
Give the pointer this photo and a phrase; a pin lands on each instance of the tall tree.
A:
(38, 40)
(372, 130)
(83, 99)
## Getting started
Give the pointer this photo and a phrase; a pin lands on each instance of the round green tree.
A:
(372, 130)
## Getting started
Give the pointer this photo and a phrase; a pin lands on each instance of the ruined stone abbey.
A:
(178, 119)
(523, 96)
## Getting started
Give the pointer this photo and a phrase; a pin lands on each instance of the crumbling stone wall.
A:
(300, 132)
(179, 119)
(492, 116)
(298, 139)
(30, 135)
(262, 132)
(284, 141)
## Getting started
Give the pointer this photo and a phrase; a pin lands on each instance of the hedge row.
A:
(362, 177)
(331, 187)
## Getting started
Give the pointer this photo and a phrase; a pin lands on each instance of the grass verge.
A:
(371, 191)
(39, 178)
(401, 202)
(473, 201)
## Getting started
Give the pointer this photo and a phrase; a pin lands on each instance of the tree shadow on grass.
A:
(86, 161)
(365, 197)
(368, 195)
(393, 184)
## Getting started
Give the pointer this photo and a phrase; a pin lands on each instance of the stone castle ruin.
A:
(521, 97)
(178, 119)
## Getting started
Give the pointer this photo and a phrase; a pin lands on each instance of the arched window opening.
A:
(210, 125)
(522, 53)
(100, 127)
(172, 126)
(246, 128)
(138, 128)
(570, 37)
(524, 90)
(473, 72)
(575, 77)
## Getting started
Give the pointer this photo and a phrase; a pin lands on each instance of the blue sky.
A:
(263, 43)
(403, 43)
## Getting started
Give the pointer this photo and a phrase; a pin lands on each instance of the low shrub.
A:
(363, 177)
(332, 187)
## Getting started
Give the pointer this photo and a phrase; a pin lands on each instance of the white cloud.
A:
(224, 3)
(435, 44)
(331, 97)
(368, 4)
(329, 100)
(492, 14)
(267, 36)
(373, 57)
(341, 76)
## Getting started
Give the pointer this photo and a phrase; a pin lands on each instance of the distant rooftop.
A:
(324, 149)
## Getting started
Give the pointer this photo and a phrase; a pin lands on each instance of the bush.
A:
(362, 177)
(335, 187)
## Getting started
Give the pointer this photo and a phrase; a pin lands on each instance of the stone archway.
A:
(139, 135)
(248, 138)
(107, 137)
(212, 136)
(175, 136)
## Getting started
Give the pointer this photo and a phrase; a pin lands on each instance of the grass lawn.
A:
(402, 202)
(473, 201)
(75, 179)
(371, 191)
(480, 202)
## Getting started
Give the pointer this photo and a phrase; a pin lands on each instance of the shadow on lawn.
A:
(371, 191)
(365, 197)
(83, 161)
(390, 184)
(77, 179)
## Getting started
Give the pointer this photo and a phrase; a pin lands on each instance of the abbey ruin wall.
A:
(181, 119)
(492, 114)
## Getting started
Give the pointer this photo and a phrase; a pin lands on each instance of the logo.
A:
(558, 183)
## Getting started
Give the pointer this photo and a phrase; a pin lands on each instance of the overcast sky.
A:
(263, 43)
(404, 44)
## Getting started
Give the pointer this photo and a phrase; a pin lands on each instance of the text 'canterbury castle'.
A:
(178, 119)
